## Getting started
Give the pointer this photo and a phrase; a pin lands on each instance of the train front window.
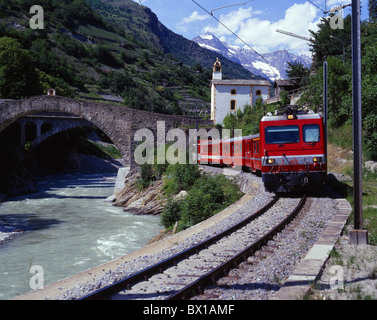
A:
(311, 133)
(282, 134)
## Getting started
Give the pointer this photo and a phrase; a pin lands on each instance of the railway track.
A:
(187, 273)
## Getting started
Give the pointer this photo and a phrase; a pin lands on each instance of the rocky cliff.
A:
(141, 202)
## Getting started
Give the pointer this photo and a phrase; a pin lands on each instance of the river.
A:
(68, 228)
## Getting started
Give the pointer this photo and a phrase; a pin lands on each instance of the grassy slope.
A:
(341, 161)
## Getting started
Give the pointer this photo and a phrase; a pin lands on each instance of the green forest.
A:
(83, 52)
(327, 44)
(88, 49)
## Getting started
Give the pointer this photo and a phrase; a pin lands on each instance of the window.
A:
(258, 93)
(233, 92)
(311, 133)
(256, 146)
(232, 105)
(282, 134)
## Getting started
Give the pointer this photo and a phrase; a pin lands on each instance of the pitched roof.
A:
(245, 82)
(286, 82)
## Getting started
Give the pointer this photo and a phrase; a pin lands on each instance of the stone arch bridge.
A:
(117, 122)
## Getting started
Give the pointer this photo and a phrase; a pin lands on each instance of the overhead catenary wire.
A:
(231, 5)
(333, 9)
(236, 35)
(324, 12)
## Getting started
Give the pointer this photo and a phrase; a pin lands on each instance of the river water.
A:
(68, 228)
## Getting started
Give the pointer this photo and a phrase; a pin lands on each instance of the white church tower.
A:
(227, 96)
(217, 71)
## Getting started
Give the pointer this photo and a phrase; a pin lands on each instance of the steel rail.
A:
(197, 286)
(108, 291)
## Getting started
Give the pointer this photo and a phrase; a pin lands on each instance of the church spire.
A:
(217, 70)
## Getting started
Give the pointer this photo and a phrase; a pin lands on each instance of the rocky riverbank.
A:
(152, 201)
(7, 232)
(141, 201)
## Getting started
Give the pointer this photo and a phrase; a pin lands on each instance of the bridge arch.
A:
(119, 123)
(46, 125)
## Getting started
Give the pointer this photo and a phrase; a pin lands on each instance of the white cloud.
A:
(232, 20)
(332, 3)
(186, 23)
(261, 34)
(195, 16)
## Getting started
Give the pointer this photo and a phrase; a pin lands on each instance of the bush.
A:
(180, 177)
(204, 199)
(171, 213)
(105, 56)
(147, 175)
(206, 196)
(209, 195)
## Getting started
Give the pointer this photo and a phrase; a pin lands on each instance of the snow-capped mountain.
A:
(250, 60)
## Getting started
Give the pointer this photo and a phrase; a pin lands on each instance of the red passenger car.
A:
(204, 151)
(252, 152)
(216, 157)
(227, 152)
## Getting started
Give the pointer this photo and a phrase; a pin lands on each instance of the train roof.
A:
(252, 136)
(237, 139)
(298, 117)
(298, 113)
(208, 142)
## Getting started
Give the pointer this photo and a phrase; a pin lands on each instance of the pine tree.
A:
(18, 76)
(372, 10)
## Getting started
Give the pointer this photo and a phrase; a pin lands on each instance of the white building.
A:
(230, 95)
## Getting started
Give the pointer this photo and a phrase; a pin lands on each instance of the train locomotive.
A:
(289, 152)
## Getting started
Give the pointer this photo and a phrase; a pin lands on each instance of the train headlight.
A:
(317, 159)
(291, 117)
(270, 161)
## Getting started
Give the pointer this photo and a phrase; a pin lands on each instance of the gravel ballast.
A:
(267, 275)
(259, 281)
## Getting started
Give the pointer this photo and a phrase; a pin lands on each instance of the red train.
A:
(289, 152)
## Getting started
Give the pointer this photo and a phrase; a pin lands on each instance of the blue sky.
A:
(255, 22)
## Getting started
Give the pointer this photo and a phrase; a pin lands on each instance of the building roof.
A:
(286, 82)
(251, 82)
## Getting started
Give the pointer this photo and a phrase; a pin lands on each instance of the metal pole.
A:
(357, 139)
(325, 103)
(196, 117)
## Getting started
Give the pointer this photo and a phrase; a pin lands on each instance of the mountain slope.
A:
(274, 69)
(115, 50)
(164, 39)
(83, 53)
